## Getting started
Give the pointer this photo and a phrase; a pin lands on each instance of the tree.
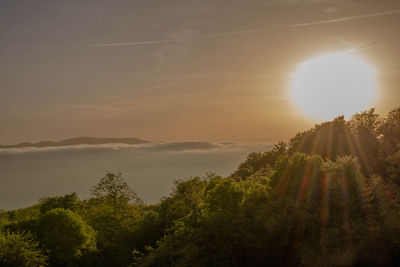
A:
(358, 137)
(112, 212)
(186, 196)
(66, 235)
(224, 230)
(19, 250)
(390, 130)
(365, 122)
(3, 218)
(260, 161)
(393, 167)
(364, 127)
(69, 201)
(114, 191)
(328, 139)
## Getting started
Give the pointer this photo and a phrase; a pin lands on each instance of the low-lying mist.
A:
(28, 174)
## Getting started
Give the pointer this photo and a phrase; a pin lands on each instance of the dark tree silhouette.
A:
(113, 190)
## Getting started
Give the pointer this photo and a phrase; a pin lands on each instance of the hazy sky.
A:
(177, 70)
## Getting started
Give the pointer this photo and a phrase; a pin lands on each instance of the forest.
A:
(329, 196)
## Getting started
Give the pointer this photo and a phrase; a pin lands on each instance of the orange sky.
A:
(177, 70)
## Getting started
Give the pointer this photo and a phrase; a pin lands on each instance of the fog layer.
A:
(28, 174)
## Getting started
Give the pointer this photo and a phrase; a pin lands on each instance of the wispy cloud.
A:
(128, 103)
(366, 47)
(156, 147)
(156, 88)
(328, 21)
(174, 40)
(206, 36)
(86, 106)
(147, 90)
(125, 103)
(140, 43)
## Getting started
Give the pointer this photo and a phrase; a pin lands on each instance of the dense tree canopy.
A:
(19, 250)
(66, 235)
(69, 201)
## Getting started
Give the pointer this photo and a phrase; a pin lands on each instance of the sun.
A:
(333, 84)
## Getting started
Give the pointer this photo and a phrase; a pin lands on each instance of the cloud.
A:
(139, 43)
(289, 2)
(206, 36)
(156, 88)
(122, 104)
(365, 16)
(181, 146)
(189, 146)
(86, 106)
(366, 47)
(142, 91)
(174, 40)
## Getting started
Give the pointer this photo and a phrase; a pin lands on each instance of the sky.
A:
(178, 70)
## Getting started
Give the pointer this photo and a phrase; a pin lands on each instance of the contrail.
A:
(125, 104)
(174, 40)
(37, 45)
(367, 47)
(206, 36)
(155, 88)
(141, 43)
(346, 18)
(150, 89)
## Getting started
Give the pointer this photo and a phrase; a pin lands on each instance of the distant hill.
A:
(79, 141)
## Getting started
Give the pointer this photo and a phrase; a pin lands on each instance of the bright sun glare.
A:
(333, 84)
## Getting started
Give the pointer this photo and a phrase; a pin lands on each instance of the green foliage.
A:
(359, 137)
(365, 133)
(113, 238)
(3, 218)
(28, 226)
(260, 162)
(329, 140)
(114, 191)
(393, 167)
(147, 230)
(113, 213)
(221, 231)
(390, 132)
(69, 201)
(19, 250)
(186, 196)
(310, 212)
(66, 235)
(24, 214)
(366, 123)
